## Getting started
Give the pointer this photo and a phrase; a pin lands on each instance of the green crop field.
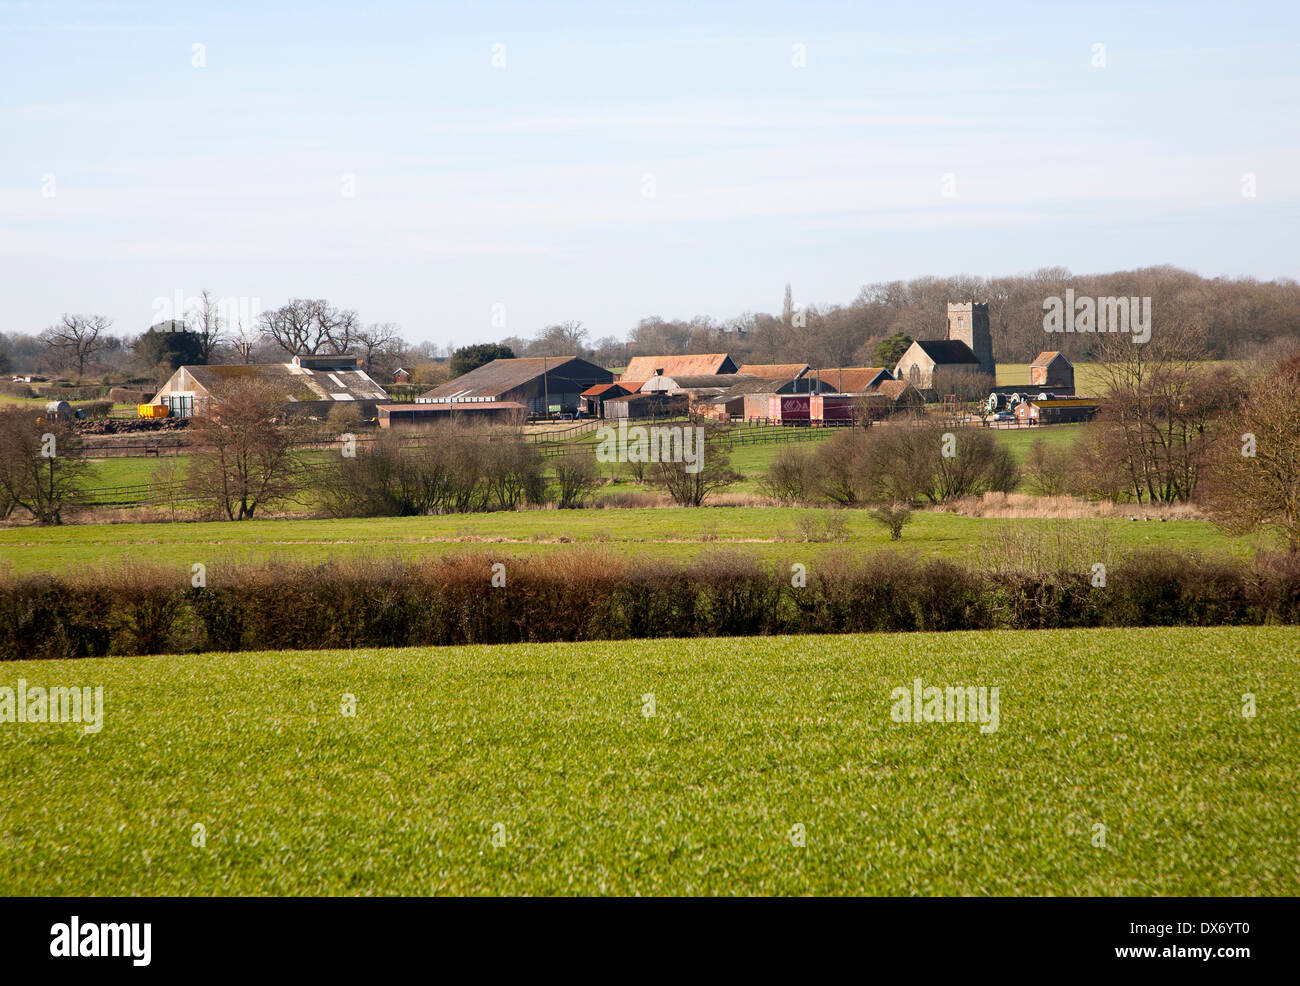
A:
(1089, 378)
(539, 770)
(774, 533)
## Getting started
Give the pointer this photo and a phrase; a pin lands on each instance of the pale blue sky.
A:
(523, 185)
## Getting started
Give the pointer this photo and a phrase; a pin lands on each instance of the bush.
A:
(791, 477)
(892, 517)
(576, 478)
(596, 594)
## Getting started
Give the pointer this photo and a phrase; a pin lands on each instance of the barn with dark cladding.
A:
(542, 384)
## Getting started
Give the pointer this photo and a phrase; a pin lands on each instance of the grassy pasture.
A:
(775, 533)
(1141, 731)
(751, 461)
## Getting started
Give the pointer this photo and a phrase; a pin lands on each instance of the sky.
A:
(470, 171)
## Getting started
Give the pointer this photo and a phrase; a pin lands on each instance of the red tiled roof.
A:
(597, 389)
(691, 364)
(853, 379)
(776, 371)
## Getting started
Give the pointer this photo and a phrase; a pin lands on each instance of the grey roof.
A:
(947, 350)
(722, 381)
(298, 383)
(504, 375)
(752, 385)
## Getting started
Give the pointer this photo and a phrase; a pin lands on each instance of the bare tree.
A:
(379, 348)
(1254, 477)
(75, 339)
(1161, 406)
(206, 321)
(40, 470)
(244, 342)
(242, 459)
(562, 339)
(576, 478)
(310, 326)
(690, 484)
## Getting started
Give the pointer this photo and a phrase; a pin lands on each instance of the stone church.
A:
(967, 346)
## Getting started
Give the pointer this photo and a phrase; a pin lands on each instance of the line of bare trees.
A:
(78, 343)
(1231, 317)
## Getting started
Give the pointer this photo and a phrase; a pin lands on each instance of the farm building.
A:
(790, 378)
(900, 393)
(924, 357)
(424, 415)
(1053, 371)
(652, 405)
(1056, 410)
(542, 384)
(748, 398)
(699, 386)
(594, 397)
(312, 385)
(641, 368)
(1050, 375)
(852, 379)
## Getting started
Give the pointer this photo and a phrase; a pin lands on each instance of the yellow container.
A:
(152, 410)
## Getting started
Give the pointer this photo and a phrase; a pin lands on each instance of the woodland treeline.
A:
(1232, 318)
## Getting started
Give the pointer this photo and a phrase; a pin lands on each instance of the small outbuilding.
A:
(426, 415)
(1051, 370)
(595, 396)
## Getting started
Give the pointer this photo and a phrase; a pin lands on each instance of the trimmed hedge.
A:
(594, 595)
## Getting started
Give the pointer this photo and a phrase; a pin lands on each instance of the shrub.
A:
(598, 594)
(893, 517)
(791, 477)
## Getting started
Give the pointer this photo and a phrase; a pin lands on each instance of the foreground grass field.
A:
(774, 533)
(549, 749)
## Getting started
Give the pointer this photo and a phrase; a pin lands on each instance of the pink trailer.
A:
(832, 407)
(789, 409)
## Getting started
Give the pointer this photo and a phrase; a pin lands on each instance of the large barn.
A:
(641, 368)
(542, 384)
(852, 379)
(311, 385)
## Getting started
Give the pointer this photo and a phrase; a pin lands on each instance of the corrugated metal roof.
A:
(725, 381)
(853, 379)
(776, 371)
(503, 375)
(453, 409)
(750, 385)
(644, 367)
(297, 382)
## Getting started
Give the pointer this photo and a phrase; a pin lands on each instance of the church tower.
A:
(968, 322)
